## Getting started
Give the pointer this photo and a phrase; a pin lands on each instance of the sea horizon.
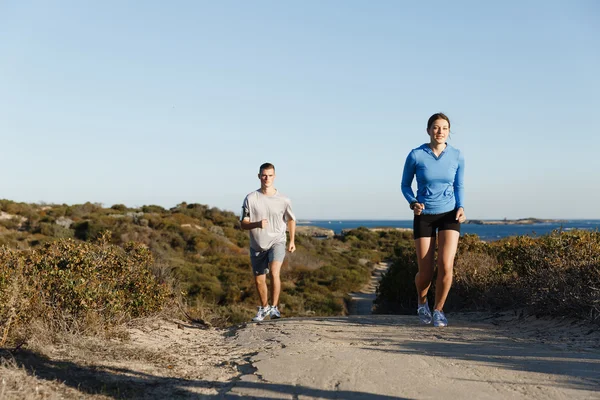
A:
(485, 232)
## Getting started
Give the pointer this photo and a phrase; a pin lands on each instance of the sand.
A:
(479, 356)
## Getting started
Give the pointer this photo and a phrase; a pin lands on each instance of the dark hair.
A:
(266, 166)
(435, 117)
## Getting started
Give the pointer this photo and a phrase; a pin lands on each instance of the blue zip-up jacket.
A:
(439, 179)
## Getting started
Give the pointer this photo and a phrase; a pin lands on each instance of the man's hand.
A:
(460, 215)
(292, 247)
(418, 208)
(247, 225)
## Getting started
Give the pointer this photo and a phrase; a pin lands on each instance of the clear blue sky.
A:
(160, 102)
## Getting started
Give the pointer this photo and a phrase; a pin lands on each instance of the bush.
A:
(554, 275)
(66, 284)
(557, 274)
(396, 292)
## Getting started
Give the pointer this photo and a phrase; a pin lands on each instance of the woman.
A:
(438, 206)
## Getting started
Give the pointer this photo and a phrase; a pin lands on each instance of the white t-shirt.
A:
(277, 209)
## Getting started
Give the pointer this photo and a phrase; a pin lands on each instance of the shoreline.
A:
(486, 229)
(520, 221)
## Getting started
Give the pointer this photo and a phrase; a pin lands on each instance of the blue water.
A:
(485, 232)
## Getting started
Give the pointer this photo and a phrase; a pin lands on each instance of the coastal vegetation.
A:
(65, 285)
(556, 275)
(87, 267)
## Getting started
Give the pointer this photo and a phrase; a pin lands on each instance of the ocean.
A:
(485, 232)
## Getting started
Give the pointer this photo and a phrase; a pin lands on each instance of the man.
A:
(265, 213)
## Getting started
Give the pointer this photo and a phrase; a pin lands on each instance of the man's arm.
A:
(291, 224)
(247, 225)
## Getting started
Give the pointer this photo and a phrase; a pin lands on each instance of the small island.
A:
(521, 221)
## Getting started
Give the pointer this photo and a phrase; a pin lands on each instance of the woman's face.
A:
(439, 131)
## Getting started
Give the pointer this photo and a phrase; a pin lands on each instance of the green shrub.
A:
(554, 275)
(396, 292)
(66, 283)
(88, 230)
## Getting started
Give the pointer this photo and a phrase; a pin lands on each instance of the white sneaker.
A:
(424, 313)
(274, 312)
(262, 313)
(439, 319)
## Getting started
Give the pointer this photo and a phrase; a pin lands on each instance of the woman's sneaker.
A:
(439, 319)
(262, 313)
(275, 312)
(424, 313)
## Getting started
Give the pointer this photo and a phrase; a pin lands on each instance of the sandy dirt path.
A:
(393, 357)
(361, 302)
(361, 357)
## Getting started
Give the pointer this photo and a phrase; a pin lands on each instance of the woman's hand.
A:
(418, 208)
(460, 215)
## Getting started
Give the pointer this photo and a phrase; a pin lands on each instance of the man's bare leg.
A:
(261, 288)
(275, 268)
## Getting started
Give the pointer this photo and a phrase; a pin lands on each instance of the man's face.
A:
(266, 176)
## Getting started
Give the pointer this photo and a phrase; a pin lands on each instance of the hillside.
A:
(204, 253)
(106, 303)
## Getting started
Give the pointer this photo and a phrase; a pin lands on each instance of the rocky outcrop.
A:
(388, 229)
(315, 231)
(64, 222)
(5, 215)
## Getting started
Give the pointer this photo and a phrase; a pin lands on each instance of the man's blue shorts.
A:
(261, 259)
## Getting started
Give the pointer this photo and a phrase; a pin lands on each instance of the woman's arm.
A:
(459, 188)
(408, 174)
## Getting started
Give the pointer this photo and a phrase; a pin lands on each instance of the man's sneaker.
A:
(439, 319)
(424, 313)
(262, 313)
(275, 312)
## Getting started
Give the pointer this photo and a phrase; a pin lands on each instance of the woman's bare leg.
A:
(425, 256)
(447, 244)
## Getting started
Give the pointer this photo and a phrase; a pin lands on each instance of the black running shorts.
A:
(428, 225)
